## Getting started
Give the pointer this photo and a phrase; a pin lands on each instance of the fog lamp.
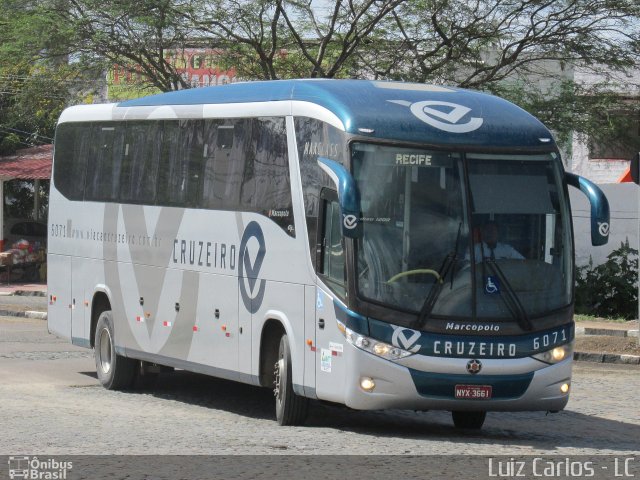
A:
(367, 384)
(564, 388)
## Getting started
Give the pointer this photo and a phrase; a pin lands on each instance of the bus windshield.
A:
(443, 230)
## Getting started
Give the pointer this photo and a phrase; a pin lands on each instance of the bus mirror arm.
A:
(348, 196)
(600, 219)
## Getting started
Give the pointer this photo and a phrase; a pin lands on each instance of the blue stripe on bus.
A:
(476, 346)
(354, 321)
(386, 112)
(442, 385)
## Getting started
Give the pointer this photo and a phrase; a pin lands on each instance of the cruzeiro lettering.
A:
(204, 254)
(479, 349)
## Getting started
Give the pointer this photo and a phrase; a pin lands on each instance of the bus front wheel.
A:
(115, 372)
(291, 409)
(470, 420)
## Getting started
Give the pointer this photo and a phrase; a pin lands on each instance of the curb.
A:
(609, 332)
(23, 314)
(606, 358)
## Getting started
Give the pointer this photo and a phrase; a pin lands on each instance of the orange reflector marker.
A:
(147, 314)
(224, 328)
(309, 342)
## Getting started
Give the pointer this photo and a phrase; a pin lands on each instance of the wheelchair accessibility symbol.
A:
(491, 285)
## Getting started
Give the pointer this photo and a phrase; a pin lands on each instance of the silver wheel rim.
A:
(105, 350)
(277, 390)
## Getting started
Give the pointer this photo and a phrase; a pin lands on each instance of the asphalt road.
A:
(51, 403)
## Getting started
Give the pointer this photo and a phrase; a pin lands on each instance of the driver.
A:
(490, 248)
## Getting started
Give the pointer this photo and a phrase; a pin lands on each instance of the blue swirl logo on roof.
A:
(444, 116)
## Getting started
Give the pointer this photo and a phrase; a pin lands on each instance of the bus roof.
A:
(394, 110)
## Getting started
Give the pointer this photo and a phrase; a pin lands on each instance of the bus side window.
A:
(139, 171)
(223, 156)
(73, 144)
(331, 246)
(103, 176)
(180, 174)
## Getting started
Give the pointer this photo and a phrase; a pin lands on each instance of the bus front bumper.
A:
(429, 383)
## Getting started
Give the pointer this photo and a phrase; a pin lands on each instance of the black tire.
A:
(115, 372)
(291, 409)
(469, 420)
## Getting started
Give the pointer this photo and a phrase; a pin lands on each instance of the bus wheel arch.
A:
(99, 304)
(272, 331)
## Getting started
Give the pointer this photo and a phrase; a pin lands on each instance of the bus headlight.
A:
(376, 347)
(556, 354)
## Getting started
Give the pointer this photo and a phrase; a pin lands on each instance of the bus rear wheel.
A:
(115, 372)
(291, 409)
(469, 420)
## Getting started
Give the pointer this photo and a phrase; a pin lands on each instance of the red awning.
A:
(27, 164)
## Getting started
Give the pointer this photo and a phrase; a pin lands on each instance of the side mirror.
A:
(600, 217)
(348, 196)
(635, 168)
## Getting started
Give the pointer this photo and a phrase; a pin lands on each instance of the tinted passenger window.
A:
(72, 148)
(143, 146)
(225, 154)
(105, 162)
(180, 174)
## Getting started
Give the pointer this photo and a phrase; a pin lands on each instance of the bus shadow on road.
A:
(567, 429)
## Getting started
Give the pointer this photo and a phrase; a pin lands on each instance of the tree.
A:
(477, 43)
(141, 34)
(520, 49)
(36, 79)
(271, 39)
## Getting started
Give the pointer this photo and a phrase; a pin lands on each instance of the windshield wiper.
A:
(511, 300)
(449, 261)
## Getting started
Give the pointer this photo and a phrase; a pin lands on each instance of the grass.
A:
(591, 318)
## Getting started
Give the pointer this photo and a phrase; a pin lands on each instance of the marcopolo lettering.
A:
(322, 149)
(413, 159)
(273, 213)
(204, 254)
(472, 327)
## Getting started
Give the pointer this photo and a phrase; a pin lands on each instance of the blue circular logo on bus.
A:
(248, 269)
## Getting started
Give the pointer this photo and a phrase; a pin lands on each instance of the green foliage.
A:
(19, 199)
(9, 143)
(611, 289)
(568, 108)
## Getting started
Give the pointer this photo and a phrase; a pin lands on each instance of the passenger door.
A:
(330, 261)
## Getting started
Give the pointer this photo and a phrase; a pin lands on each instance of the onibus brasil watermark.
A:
(38, 469)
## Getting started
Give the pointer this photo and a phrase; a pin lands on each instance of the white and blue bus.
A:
(375, 244)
